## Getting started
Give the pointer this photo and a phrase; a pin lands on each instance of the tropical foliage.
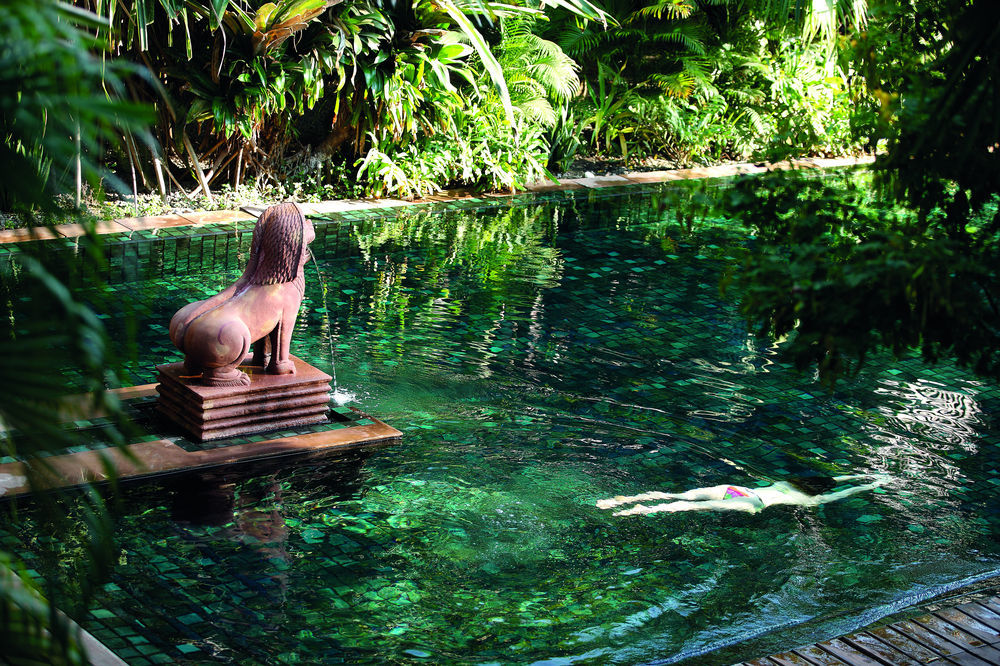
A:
(52, 120)
(409, 98)
(847, 281)
(60, 103)
(242, 85)
(698, 82)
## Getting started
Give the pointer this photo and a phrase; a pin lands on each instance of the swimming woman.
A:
(806, 491)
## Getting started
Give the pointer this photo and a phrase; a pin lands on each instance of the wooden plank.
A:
(993, 603)
(904, 644)
(790, 659)
(963, 635)
(848, 653)
(969, 625)
(947, 630)
(818, 656)
(927, 637)
(880, 650)
(987, 654)
(967, 659)
(163, 456)
(981, 613)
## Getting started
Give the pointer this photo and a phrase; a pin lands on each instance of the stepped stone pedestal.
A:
(270, 402)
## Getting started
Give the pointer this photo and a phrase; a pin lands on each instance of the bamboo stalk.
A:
(79, 166)
(210, 176)
(197, 167)
(174, 180)
(158, 168)
(239, 169)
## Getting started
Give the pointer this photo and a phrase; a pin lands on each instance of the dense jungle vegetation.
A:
(323, 98)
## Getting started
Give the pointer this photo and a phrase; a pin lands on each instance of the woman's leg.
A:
(698, 494)
(738, 504)
(621, 499)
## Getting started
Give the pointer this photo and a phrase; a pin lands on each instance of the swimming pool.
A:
(539, 354)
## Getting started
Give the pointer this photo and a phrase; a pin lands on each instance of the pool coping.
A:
(199, 218)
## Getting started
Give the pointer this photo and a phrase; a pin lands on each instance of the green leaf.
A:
(584, 8)
(264, 15)
(483, 50)
(218, 9)
(454, 51)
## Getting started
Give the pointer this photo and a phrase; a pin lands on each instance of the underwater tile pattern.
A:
(541, 353)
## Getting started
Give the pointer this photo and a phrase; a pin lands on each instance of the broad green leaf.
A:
(584, 8)
(218, 10)
(290, 10)
(82, 17)
(454, 51)
(483, 49)
(143, 18)
(188, 51)
(263, 16)
(239, 21)
(171, 8)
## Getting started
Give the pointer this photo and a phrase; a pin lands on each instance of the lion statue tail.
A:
(233, 342)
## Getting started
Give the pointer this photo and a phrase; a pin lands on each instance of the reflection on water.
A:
(539, 357)
(926, 408)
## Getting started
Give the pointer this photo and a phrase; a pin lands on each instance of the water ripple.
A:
(928, 410)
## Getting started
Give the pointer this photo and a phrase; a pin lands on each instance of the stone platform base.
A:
(269, 403)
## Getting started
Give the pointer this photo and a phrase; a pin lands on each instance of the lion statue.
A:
(259, 308)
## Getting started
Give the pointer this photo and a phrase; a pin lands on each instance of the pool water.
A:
(539, 354)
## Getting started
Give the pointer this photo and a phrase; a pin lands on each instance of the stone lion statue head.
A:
(278, 249)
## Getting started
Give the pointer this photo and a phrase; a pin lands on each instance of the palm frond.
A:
(685, 34)
(577, 40)
(678, 84)
(538, 71)
(671, 9)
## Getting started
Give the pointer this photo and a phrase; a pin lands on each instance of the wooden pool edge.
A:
(965, 634)
(161, 456)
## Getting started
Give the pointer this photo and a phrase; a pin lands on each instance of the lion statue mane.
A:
(259, 308)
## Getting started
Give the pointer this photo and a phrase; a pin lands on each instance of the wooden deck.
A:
(963, 635)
